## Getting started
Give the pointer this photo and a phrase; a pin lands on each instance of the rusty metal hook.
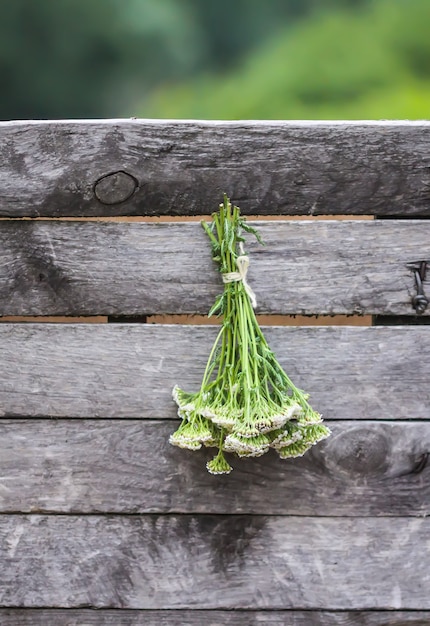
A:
(420, 301)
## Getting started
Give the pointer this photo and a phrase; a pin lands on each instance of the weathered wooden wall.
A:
(122, 466)
(324, 267)
(135, 167)
(101, 520)
(124, 617)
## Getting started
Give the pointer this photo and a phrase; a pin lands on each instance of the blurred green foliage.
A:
(227, 59)
(367, 61)
(77, 58)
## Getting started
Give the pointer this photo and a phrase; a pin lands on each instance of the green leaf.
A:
(218, 306)
(253, 231)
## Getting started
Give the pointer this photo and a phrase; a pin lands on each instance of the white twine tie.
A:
(242, 263)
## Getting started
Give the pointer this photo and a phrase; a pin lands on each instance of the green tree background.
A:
(229, 59)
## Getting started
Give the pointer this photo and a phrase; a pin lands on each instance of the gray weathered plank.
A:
(365, 468)
(91, 617)
(142, 269)
(128, 370)
(144, 167)
(216, 561)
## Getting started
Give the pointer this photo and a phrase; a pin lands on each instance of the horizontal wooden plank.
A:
(216, 561)
(153, 167)
(129, 370)
(91, 617)
(323, 267)
(365, 468)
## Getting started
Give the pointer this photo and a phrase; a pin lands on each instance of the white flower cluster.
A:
(290, 432)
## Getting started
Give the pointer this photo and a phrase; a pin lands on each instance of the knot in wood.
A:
(359, 451)
(115, 188)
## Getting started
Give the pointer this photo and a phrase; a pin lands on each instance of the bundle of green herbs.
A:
(246, 403)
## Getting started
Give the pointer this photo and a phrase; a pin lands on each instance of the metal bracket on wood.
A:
(420, 300)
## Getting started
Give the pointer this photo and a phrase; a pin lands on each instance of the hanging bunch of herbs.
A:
(246, 403)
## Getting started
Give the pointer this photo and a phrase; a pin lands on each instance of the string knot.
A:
(242, 263)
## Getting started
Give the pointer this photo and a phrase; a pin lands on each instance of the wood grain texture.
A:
(91, 617)
(205, 562)
(144, 167)
(143, 269)
(64, 466)
(129, 370)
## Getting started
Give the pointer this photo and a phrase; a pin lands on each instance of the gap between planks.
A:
(47, 616)
(199, 320)
(187, 218)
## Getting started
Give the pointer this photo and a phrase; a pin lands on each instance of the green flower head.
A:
(218, 465)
